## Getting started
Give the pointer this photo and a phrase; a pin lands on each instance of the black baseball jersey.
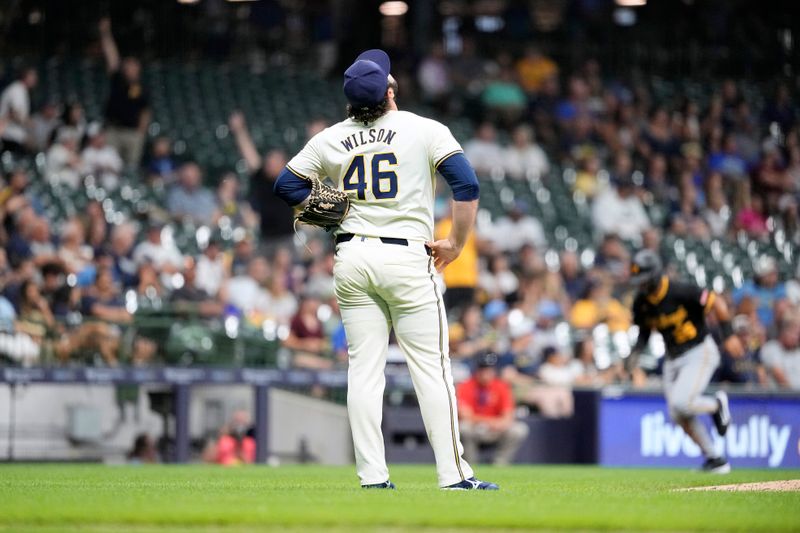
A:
(677, 311)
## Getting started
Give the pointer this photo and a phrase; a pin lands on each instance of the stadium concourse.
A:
(139, 225)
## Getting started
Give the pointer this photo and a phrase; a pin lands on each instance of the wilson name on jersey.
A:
(387, 168)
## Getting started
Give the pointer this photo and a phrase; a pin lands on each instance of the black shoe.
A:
(722, 418)
(472, 484)
(716, 465)
(385, 485)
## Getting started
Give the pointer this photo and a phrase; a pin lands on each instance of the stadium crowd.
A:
(720, 166)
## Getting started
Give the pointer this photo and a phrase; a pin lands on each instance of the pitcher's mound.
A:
(785, 485)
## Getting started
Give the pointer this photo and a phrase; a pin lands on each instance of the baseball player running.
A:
(383, 163)
(678, 311)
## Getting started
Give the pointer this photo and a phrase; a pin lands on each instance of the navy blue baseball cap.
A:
(366, 80)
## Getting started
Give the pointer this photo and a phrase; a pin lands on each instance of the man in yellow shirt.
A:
(534, 68)
(460, 276)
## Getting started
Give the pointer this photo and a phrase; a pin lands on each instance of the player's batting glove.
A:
(325, 206)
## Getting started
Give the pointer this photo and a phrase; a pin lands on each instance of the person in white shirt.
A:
(483, 150)
(524, 157)
(15, 108)
(434, 75)
(43, 124)
(781, 356)
(513, 231)
(246, 292)
(498, 281)
(101, 159)
(63, 164)
(619, 211)
(558, 369)
(211, 269)
(164, 256)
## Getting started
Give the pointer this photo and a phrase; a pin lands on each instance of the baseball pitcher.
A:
(383, 162)
(678, 311)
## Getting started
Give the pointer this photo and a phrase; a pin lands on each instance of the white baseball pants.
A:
(380, 286)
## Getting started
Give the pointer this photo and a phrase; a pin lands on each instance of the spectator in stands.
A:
(15, 108)
(150, 293)
(35, 317)
(319, 276)
(63, 163)
(487, 414)
(747, 369)
(188, 200)
(306, 337)
(559, 370)
(15, 345)
(246, 291)
(277, 218)
(495, 315)
(191, 298)
(766, 290)
(511, 232)
(73, 117)
(587, 177)
(781, 356)
(212, 269)
(468, 337)
(534, 69)
(283, 303)
(61, 297)
(121, 247)
(618, 210)
(572, 275)
(483, 151)
(717, 212)
(461, 276)
(43, 125)
(524, 158)
(232, 206)
(598, 306)
(502, 96)
(161, 161)
(587, 373)
(127, 112)
(163, 254)
(74, 253)
(752, 217)
(97, 227)
(235, 445)
(433, 75)
(498, 281)
(17, 246)
(100, 158)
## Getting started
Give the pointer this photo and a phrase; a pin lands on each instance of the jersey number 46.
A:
(384, 179)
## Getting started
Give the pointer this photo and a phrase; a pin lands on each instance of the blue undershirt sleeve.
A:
(459, 174)
(291, 188)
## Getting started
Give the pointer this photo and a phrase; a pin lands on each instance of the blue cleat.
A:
(472, 484)
(385, 485)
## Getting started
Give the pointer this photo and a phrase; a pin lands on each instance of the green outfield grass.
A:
(204, 498)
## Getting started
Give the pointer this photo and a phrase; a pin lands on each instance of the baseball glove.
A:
(326, 206)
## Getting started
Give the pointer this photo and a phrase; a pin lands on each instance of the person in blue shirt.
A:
(766, 290)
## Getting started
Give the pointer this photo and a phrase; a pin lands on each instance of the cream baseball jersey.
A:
(387, 168)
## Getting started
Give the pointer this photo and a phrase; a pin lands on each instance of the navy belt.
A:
(345, 237)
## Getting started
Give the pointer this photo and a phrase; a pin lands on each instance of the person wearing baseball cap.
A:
(369, 86)
(384, 162)
(486, 406)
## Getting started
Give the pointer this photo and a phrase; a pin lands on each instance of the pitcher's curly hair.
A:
(368, 114)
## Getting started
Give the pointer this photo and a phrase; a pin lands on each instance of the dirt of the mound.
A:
(784, 485)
